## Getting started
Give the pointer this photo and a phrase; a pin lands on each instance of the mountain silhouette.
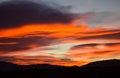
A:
(98, 69)
(43, 66)
(104, 63)
(102, 69)
(5, 66)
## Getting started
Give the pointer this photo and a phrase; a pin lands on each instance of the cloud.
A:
(115, 35)
(27, 60)
(23, 43)
(104, 19)
(94, 45)
(100, 30)
(31, 44)
(40, 33)
(98, 50)
(54, 45)
(18, 13)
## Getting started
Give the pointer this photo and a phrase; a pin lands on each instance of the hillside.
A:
(99, 69)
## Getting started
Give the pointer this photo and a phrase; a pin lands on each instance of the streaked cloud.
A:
(37, 33)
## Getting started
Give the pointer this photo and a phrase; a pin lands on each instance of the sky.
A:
(59, 32)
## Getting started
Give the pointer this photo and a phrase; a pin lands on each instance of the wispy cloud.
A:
(36, 34)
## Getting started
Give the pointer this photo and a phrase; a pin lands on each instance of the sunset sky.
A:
(59, 32)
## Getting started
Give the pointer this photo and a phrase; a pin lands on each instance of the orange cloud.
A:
(61, 30)
(27, 60)
(55, 37)
(31, 41)
(94, 50)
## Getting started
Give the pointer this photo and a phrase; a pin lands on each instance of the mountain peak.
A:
(10, 66)
(104, 63)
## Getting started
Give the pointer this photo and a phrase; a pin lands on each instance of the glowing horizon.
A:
(57, 40)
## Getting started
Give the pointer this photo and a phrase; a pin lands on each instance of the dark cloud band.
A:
(93, 45)
(17, 13)
(23, 43)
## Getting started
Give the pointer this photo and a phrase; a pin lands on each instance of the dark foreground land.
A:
(100, 69)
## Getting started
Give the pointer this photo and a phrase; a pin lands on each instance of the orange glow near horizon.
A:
(46, 32)
(60, 51)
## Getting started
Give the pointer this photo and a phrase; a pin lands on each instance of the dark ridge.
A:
(5, 66)
(44, 66)
(99, 69)
(104, 63)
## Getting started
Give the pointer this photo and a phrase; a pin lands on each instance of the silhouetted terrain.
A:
(99, 69)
